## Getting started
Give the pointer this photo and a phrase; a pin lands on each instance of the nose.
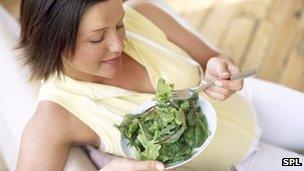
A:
(116, 43)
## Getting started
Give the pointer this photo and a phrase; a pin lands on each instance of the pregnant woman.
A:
(99, 59)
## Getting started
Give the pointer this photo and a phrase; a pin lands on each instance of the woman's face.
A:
(100, 38)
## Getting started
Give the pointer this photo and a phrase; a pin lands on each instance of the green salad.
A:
(168, 131)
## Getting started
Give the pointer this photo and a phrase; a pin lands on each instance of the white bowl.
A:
(207, 110)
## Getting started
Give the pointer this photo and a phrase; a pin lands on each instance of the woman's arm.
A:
(176, 33)
(48, 136)
(217, 67)
(45, 143)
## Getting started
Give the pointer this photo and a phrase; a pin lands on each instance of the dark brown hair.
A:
(48, 29)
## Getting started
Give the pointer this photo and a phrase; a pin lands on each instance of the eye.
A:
(97, 41)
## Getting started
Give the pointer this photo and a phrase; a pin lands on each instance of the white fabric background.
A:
(280, 115)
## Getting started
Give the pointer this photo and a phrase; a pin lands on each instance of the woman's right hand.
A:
(119, 164)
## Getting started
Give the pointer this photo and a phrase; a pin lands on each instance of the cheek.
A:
(89, 55)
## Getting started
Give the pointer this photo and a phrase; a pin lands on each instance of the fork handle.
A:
(205, 85)
(243, 75)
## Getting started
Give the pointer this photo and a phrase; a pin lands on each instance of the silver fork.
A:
(188, 92)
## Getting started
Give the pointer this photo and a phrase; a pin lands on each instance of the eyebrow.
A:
(102, 29)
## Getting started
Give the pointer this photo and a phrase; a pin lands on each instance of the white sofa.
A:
(18, 100)
(18, 97)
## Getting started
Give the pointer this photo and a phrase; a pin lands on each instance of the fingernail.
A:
(204, 82)
(159, 167)
(218, 83)
(226, 73)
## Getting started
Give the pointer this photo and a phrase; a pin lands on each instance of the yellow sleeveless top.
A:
(101, 106)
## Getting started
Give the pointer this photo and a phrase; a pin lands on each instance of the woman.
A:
(93, 74)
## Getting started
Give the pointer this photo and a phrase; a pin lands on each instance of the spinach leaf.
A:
(151, 150)
(164, 91)
(196, 135)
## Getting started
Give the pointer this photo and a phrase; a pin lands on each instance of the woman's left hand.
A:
(107, 161)
(219, 69)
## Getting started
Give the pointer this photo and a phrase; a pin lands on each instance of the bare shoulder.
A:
(48, 137)
(49, 120)
(52, 116)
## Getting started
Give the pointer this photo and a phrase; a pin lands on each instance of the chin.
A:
(110, 72)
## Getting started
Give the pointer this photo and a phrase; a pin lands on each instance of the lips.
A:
(113, 60)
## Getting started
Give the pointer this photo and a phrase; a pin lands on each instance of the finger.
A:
(148, 166)
(233, 69)
(209, 77)
(214, 95)
(220, 90)
(217, 96)
(235, 85)
(223, 91)
(221, 71)
(229, 94)
(99, 158)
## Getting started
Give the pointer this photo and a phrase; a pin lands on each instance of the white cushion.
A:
(18, 99)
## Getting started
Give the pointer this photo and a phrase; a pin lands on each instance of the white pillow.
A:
(18, 100)
(17, 96)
